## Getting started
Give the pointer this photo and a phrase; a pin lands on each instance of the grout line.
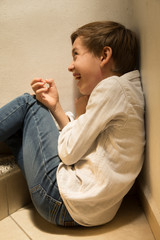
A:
(20, 227)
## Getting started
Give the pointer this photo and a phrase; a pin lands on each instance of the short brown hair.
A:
(97, 35)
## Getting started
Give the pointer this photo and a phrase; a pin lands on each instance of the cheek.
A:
(94, 72)
(89, 69)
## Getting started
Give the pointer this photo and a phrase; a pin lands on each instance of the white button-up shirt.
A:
(102, 150)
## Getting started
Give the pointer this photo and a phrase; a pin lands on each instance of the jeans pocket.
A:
(47, 206)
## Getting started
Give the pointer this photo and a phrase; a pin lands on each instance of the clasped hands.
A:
(47, 93)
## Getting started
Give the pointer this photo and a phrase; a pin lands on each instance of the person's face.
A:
(85, 68)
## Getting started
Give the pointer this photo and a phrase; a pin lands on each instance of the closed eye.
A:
(74, 53)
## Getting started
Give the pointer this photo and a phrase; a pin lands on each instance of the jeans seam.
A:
(53, 203)
(61, 217)
(39, 187)
(65, 211)
(40, 145)
(53, 211)
(32, 190)
(13, 111)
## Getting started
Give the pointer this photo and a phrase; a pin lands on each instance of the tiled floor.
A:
(129, 224)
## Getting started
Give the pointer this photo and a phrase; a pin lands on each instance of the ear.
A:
(106, 55)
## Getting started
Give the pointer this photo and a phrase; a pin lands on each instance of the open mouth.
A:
(77, 76)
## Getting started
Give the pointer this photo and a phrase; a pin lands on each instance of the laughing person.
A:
(80, 175)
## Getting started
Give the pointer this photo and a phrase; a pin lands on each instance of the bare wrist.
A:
(60, 116)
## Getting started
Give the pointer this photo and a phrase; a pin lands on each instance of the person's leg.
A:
(15, 144)
(41, 160)
(12, 115)
(11, 124)
(38, 156)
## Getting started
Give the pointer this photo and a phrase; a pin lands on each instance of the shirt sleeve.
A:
(107, 106)
(70, 115)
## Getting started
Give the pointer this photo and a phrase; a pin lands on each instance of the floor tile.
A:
(129, 224)
(10, 230)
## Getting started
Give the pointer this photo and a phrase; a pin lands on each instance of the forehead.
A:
(78, 45)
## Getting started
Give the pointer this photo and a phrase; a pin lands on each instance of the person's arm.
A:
(107, 107)
(49, 97)
(60, 116)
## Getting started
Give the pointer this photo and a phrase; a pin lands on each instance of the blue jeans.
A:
(30, 131)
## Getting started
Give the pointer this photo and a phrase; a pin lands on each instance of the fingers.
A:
(36, 84)
(39, 83)
(50, 82)
(36, 81)
(41, 90)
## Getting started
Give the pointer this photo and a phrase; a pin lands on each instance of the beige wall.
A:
(34, 41)
(147, 22)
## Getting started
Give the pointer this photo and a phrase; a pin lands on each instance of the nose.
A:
(71, 67)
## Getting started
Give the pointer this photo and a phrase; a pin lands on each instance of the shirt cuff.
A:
(71, 116)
